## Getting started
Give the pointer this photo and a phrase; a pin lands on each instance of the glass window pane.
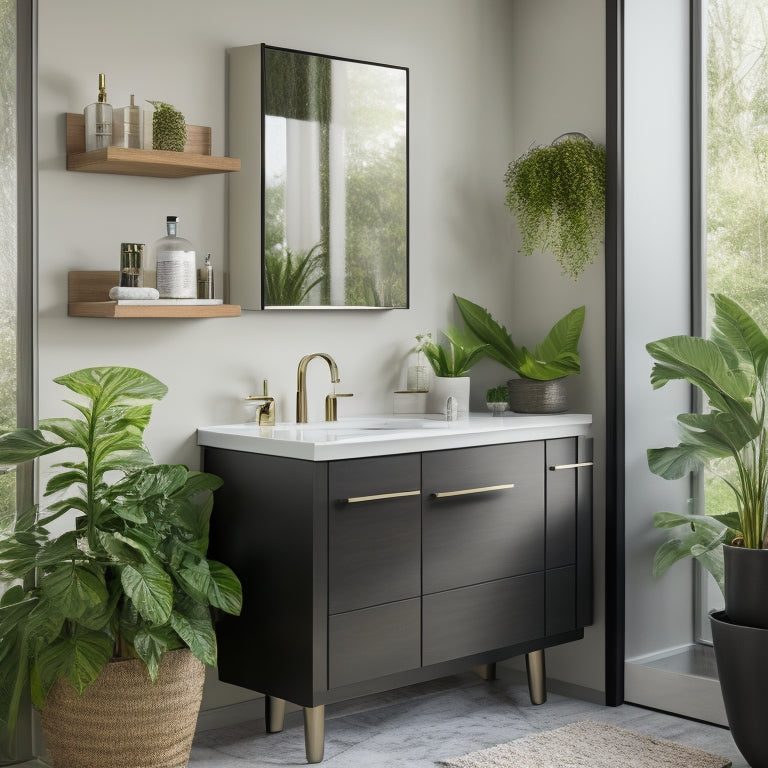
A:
(8, 240)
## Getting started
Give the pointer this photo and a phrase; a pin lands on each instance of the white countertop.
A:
(381, 435)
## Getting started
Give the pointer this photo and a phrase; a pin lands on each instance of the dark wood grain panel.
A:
(561, 503)
(485, 536)
(373, 642)
(480, 618)
(561, 600)
(584, 565)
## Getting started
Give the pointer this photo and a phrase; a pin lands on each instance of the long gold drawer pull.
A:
(571, 466)
(467, 491)
(379, 496)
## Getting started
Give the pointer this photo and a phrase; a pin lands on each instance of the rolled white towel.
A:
(119, 292)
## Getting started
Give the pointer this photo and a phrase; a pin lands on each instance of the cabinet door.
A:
(483, 617)
(483, 514)
(561, 502)
(374, 531)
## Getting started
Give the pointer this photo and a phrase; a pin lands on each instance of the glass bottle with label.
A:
(98, 120)
(174, 263)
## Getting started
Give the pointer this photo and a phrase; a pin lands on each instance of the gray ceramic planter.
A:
(741, 653)
(530, 396)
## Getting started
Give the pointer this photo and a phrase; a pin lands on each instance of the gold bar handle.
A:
(380, 496)
(466, 491)
(571, 466)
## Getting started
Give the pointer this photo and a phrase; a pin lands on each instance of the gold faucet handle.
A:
(265, 413)
(331, 410)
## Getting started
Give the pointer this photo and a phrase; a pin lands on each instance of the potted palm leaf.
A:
(451, 362)
(109, 618)
(540, 386)
(730, 439)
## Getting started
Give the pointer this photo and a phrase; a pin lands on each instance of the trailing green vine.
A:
(557, 193)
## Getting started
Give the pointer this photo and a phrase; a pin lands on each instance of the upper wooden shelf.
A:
(89, 294)
(195, 160)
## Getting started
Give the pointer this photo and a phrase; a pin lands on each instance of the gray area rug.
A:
(589, 744)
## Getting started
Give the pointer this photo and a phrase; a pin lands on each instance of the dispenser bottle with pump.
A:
(98, 120)
(174, 262)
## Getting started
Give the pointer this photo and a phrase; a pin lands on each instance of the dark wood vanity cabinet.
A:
(366, 574)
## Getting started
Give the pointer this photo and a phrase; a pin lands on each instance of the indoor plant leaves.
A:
(118, 582)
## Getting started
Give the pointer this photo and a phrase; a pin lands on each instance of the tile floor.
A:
(415, 726)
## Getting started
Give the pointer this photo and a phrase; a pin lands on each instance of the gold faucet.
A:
(301, 394)
(265, 411)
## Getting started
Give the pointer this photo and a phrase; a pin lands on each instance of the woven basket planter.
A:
(124, 720)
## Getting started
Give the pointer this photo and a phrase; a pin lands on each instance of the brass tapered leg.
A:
(274, 714)
(486, 671)
(314, 733)
(537, 676)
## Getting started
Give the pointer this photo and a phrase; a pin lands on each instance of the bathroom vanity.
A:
(375, 553)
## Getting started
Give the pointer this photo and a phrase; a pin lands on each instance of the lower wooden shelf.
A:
(88, 292)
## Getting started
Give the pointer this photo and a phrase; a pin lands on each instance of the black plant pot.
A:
(746, 584)
(741, 652)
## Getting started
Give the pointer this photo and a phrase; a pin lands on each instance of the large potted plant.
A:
(451, 362)
(557, 193)
(730, 438)
(540, 387)
(109, 621)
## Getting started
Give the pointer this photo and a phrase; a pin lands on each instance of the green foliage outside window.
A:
(736, 163)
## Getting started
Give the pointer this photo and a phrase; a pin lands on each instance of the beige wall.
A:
(557, 84)
(487, 78)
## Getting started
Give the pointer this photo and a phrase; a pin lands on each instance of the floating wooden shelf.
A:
(195, 160)
(89, 292)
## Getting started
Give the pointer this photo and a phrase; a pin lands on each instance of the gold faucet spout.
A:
(301, 386)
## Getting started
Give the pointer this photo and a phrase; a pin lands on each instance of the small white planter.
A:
(443, 387)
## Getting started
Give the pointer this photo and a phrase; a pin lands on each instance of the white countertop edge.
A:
(478, 429)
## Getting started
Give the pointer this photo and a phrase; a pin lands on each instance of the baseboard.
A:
(232, 714)
(559, 687)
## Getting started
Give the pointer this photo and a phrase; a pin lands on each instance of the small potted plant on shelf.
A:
(558, 195)
(451, 363)
(729, 438)
(540, 387)
(109, 619)
(497, 399)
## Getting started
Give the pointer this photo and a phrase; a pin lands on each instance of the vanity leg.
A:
(537, 676)
(274, 714)
(486, 671)
(314, 733)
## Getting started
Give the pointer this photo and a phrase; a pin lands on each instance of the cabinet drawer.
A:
(461, 622)
(484, 532)
(374, 545)
(374, 642)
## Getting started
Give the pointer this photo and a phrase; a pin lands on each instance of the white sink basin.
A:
(381, 435)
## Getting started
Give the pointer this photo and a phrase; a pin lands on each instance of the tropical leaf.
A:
(24, 445)
(194, 626)
(150, 643)
(225, 590)
(150, 589)
(734, 330)
(74, 589)
(555, 357)
(79, 656)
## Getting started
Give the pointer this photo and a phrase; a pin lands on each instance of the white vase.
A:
(443, 387)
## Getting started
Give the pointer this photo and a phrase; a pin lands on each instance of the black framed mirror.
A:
(319, 211)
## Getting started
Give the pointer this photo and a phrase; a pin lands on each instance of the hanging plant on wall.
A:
(557, 193)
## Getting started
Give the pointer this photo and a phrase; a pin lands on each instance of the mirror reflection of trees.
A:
(335, 191)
